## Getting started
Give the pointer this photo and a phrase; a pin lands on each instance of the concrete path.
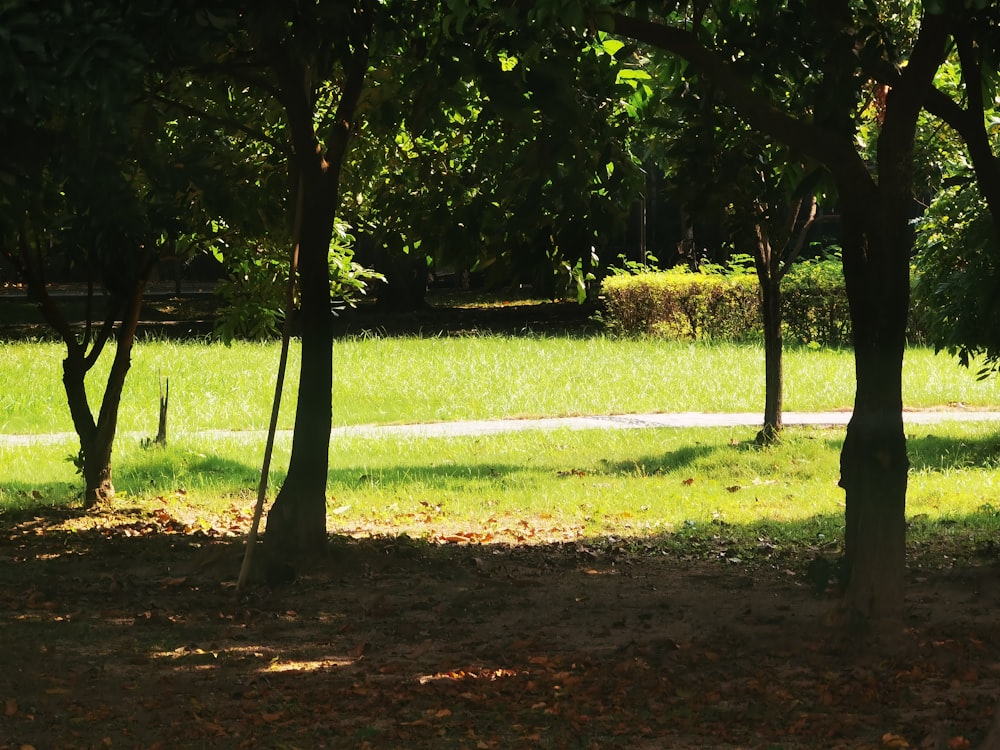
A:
(615, 422)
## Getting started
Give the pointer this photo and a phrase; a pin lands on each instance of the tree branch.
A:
(356, 68)
(187, 109)
(826, 147)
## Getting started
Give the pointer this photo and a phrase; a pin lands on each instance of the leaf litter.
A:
(124, 631)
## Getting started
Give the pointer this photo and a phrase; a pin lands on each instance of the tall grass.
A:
(411, 379)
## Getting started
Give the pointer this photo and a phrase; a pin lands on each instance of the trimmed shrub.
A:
(815, 308)
(684, 305)
(680, 304)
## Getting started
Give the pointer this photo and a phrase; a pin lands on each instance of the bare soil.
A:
(126, 632)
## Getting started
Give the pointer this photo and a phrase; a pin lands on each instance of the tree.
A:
(296, 523)
(490, 168)
(957, 238)
(87, 190)
(832, 47)
(763, 196)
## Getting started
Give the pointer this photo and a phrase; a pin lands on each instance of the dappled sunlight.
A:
(614, 633)
(309, 665)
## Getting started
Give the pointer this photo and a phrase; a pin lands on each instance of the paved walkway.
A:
(615, 422)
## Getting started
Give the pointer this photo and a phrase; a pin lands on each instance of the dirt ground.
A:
(127, 633)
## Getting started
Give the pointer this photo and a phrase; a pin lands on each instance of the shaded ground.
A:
(125, 632)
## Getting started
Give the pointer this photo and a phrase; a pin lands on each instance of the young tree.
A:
(766, 197)
(85, 193)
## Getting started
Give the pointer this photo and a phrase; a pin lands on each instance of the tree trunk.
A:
(97, 438)
(773, 374)
(873, 460)
(296, 522)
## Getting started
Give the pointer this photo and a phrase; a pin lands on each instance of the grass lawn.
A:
(544, 486)
(412, 379)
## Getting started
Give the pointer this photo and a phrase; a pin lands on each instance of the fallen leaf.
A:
(10, 707)
(689, 481)
(894, 740)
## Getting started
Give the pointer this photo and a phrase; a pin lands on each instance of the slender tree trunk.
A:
(97, 437)
(773, 370)
(296, 522)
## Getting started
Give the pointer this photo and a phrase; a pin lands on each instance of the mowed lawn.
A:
(411, 379)
(566, 484)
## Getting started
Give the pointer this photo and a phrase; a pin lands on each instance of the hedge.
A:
(683, 305)
(680, 304)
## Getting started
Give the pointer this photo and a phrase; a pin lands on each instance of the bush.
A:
(815, 308)
(684, 305)
(681, 304)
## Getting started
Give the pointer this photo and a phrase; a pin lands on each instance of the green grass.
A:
(517, 486)
(528, 486)
(391, 380)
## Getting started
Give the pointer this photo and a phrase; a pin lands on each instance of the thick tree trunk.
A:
(296, 523)
(873, 460)
(773, 371)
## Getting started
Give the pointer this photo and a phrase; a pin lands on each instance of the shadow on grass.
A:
(30, 499)
(661, 464)
(175, 469)
(932, 452)
(438, 476)
(136, 638)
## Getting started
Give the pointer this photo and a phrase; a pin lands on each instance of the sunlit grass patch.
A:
(414, 379)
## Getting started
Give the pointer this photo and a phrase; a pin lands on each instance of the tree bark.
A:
(97, 438)
(773, 365)
(873, 459)
(296, 522)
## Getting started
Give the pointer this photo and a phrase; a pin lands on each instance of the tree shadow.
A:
(433, 476)
(933, 452)
(418, 643)
(659, 464)
(167, 469)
